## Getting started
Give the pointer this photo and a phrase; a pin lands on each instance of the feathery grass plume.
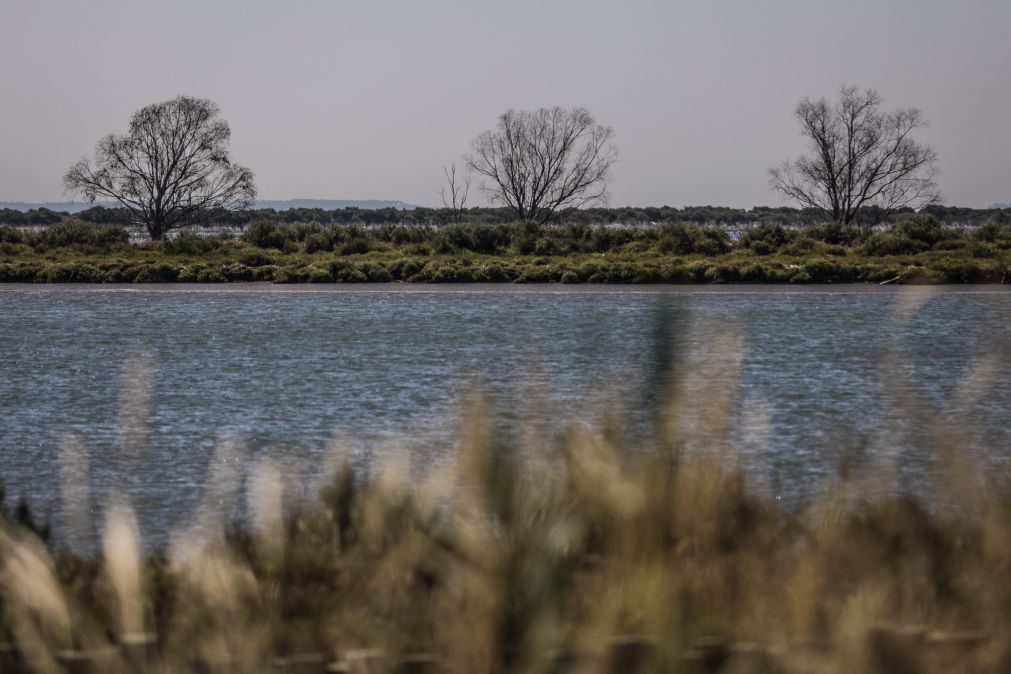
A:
(75, 494)
(225, 471)
(702, 405)
(135, 403)
(909, 302)
(35, 608)
(219, 623)
(265, 503)
(121, 552)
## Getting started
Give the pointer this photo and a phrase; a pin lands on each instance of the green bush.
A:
(10, 234)
(685, 238)
(20, 272)
(824, 270)
(14, 249)
(713, 241)
(317, 242)
(403, 234)
(445, 272)
(983, 249)
(893, 243)
(994, 232)
(356, 246)
(802, 245)
(404, 269)
(952, 244)
(922, 228)
(317, 275)
(303, 231)
(767, 238)
(254, 257)
(266, 234)
(159, 272)
(835, 233)
(189, 243)
(344, 239)
(578, 237)
(238, 272)
(479, 238)
(71, 272)
(376, 273)
(422, 249)
(263, 273)
(523, 236)
(604, 239)
(494, 273)
(549, 246)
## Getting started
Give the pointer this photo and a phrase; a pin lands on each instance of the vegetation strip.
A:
(918, 249)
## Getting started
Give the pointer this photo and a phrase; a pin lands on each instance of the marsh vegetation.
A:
(917, 248)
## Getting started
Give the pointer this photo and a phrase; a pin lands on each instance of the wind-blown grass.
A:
(488, 569)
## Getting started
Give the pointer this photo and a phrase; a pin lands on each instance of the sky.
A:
(370, 99)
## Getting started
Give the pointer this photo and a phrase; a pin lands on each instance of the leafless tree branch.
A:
(170, 170)
(859, 157)
(539, 163)
(455, 197)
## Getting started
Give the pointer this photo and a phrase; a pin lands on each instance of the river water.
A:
(151, 393)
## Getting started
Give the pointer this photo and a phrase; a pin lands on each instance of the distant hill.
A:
(283, 205)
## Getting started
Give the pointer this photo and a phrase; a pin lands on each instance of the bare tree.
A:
(544, 161)
(170, 170)
(859, 157)
(455, 197)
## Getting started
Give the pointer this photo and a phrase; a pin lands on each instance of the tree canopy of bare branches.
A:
(859, 157)
(170, 170)
(545, 161)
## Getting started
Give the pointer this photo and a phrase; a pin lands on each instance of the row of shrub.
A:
(534, 270)
(524, 238)
(65, 234)
(915, 234)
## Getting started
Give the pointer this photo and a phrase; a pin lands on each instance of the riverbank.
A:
(519, 253)
(147, 266)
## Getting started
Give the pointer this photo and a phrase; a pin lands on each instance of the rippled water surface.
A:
(817, 374)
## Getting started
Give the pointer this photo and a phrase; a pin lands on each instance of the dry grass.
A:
(608, 558)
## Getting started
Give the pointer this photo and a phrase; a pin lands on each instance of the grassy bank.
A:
(918, 250)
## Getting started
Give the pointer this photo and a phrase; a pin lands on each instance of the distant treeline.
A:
(952, 216)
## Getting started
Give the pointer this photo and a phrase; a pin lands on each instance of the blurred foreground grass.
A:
(609, 561)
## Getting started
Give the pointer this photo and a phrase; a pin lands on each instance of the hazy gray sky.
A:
(358, 100)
